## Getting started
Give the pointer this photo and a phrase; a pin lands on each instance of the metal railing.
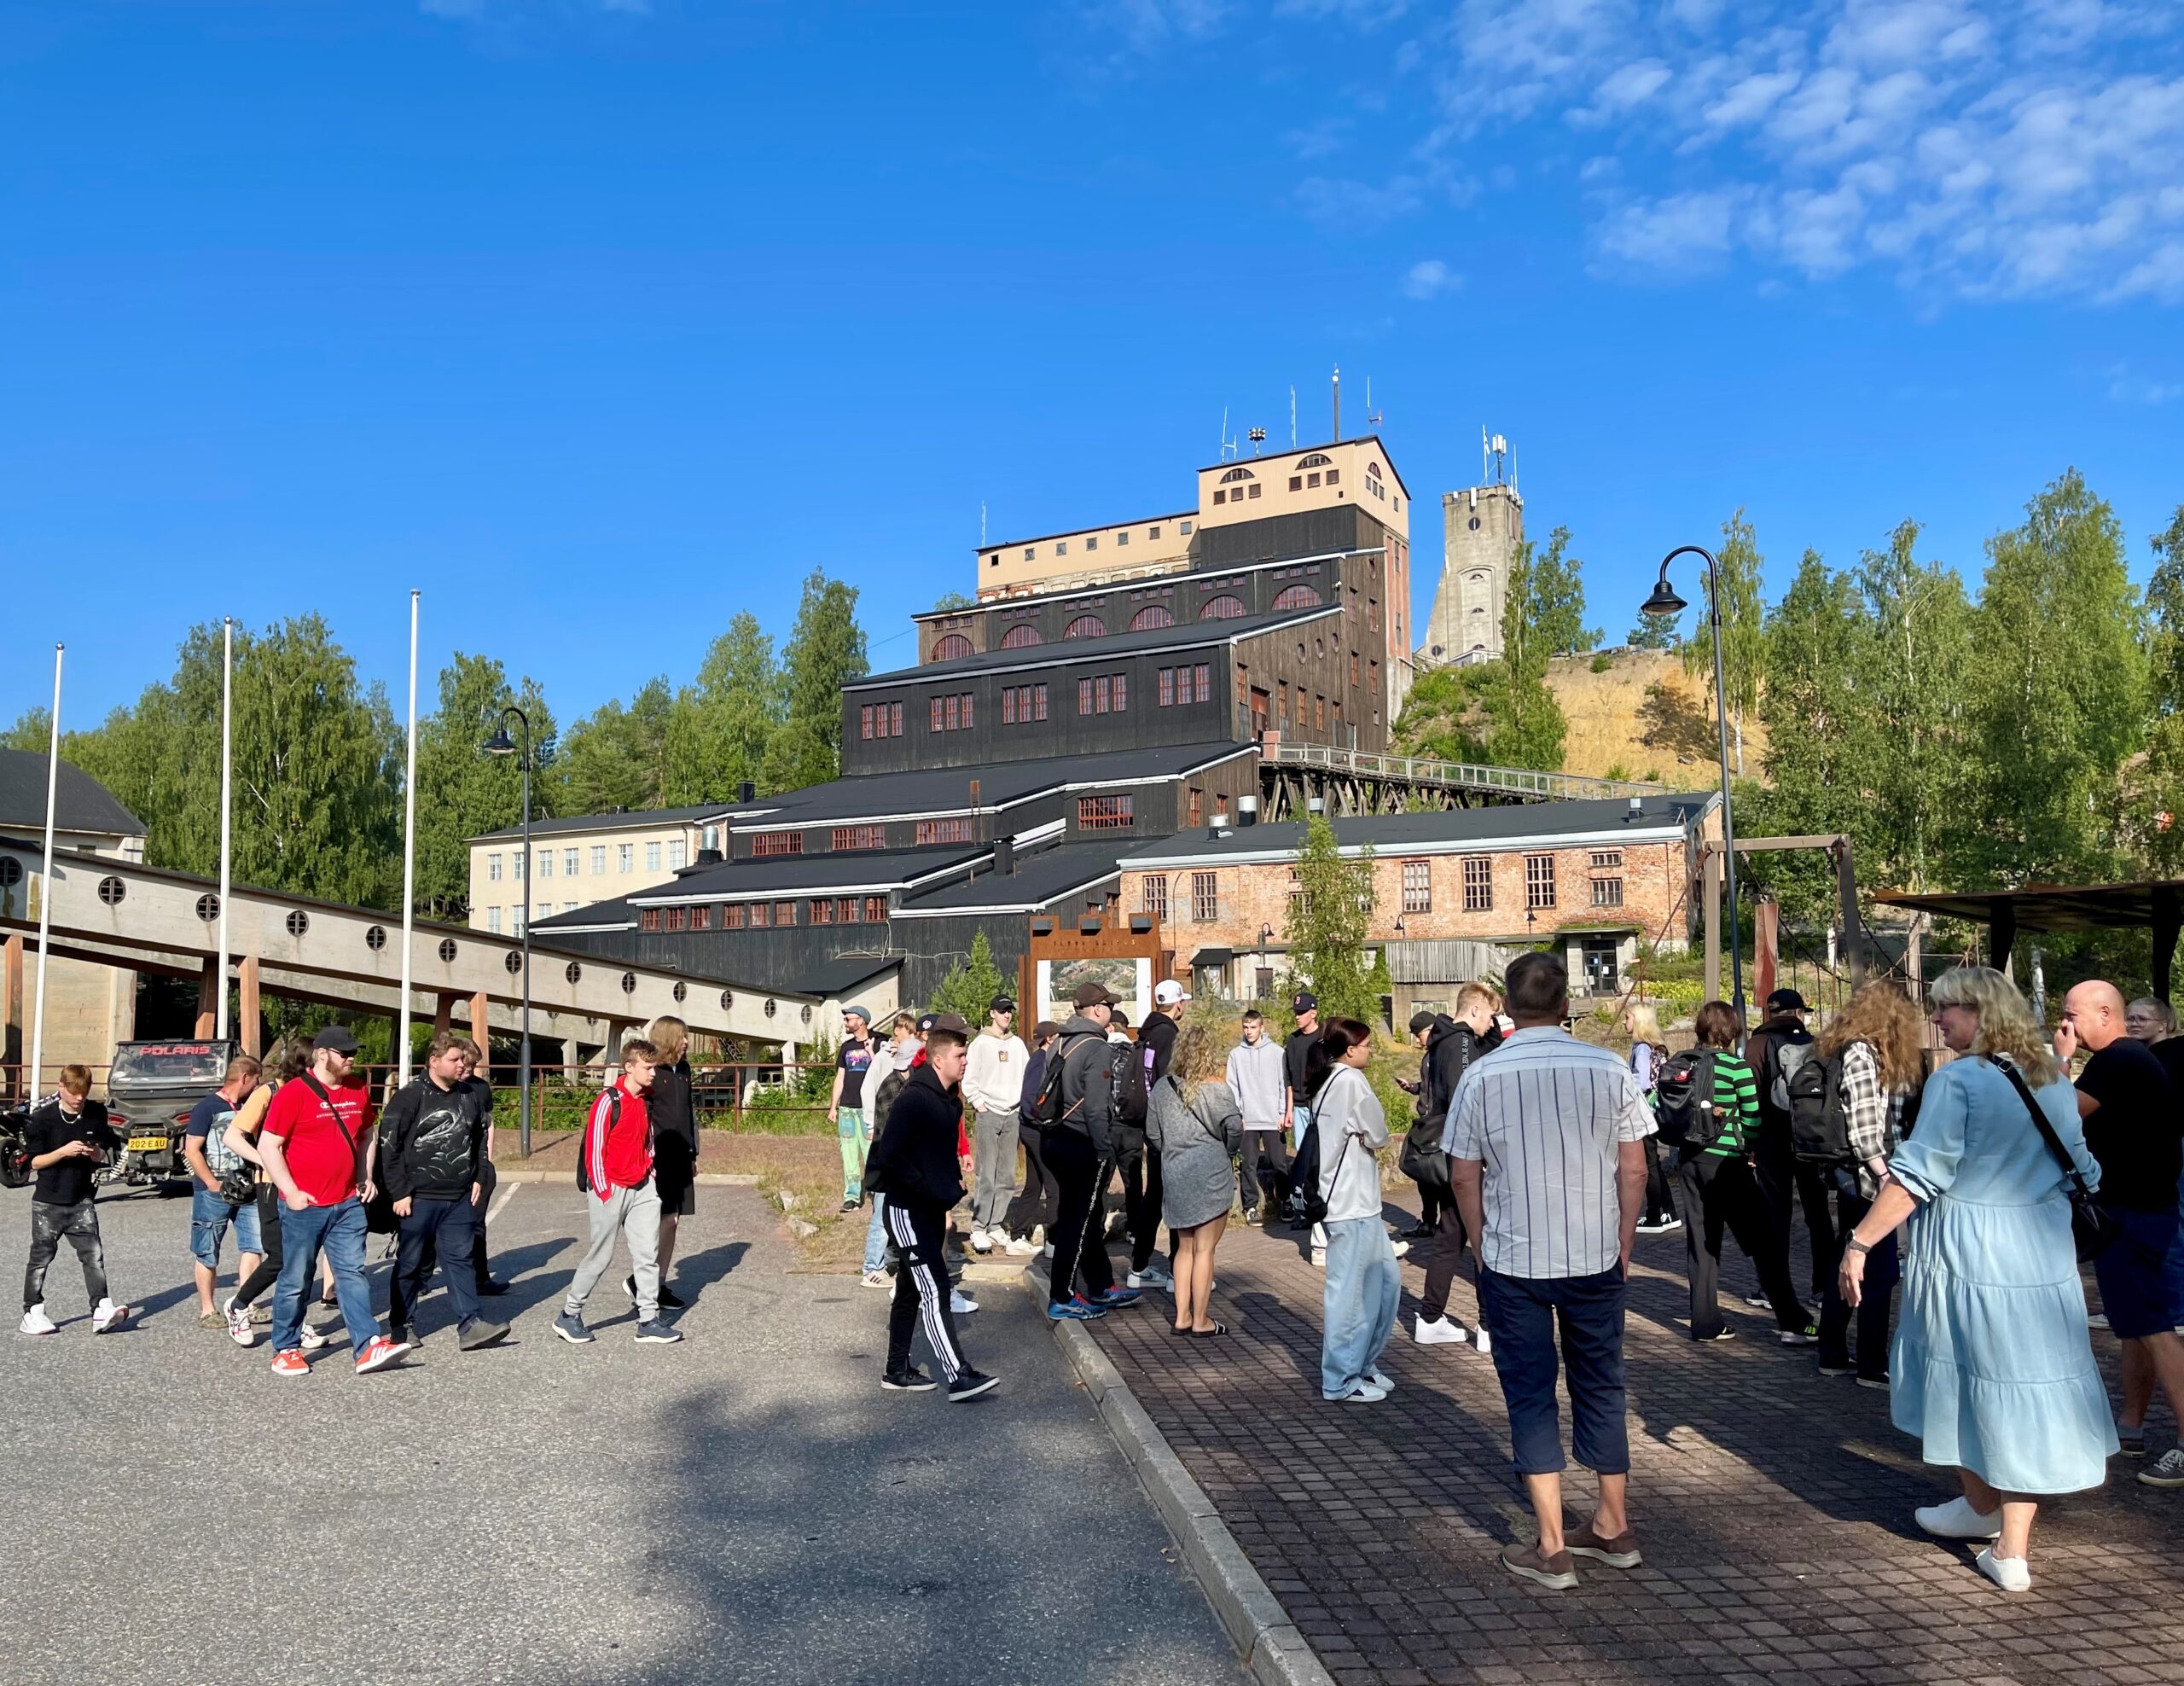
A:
(1419, 769)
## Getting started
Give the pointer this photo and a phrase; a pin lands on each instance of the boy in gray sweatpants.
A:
(615, 1173)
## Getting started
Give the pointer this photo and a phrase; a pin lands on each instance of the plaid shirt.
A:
(1874, 1115)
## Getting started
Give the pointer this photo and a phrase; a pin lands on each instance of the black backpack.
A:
(1683, 1102)
(1305, 1176)
(1048, 1108)
(1820, 1123)
(1131, 1101)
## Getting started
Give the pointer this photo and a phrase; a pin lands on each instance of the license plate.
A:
(148, 1145)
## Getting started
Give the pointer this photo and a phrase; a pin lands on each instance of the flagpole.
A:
(45, 887)
(408, 860)
(227, 808)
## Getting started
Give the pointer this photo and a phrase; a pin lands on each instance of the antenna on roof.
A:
(1292, 418)
(1338, 403)
(1224, 433)
(1372, 417)
(1258, 437)
(982, 524)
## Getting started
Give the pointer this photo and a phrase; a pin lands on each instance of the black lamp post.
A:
(1665, 600)
(500, 744)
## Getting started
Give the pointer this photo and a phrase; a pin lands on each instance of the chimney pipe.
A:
(1004, 856)
(746, 792)
(1247, 811)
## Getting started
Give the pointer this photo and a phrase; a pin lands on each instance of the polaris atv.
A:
(149, 1092)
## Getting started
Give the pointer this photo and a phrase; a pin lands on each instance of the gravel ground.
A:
(746, 1506)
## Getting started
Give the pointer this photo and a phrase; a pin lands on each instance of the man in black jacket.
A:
(1774, 1051)
(1451, 1045)
(432, 1156)
(1081, 1151)
(914, 1163)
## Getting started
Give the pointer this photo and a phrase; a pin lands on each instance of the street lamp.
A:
(500, 744)
(1665, 600)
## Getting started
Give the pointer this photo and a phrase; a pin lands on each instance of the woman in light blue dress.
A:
(1991, 1366)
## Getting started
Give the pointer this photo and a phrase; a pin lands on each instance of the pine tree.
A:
(1329, 918)
(972, 984)
(825, 651)
(462, 792)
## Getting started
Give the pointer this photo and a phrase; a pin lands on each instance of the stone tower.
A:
(1481, 528)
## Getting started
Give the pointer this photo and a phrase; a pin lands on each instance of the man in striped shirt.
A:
(1546, 1153)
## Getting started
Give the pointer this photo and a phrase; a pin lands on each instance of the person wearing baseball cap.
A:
(845, 1102)
(1144, 1195)
(1295, 1115)
(1774, 1051)
(1080, 1152)
(993, 1084)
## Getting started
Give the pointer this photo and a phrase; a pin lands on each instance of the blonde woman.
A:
(1647, 1051)
(1192, 1120)
(1992, 1367)
(674, 1143)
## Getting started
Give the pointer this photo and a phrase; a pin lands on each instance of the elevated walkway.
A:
(1361, 781)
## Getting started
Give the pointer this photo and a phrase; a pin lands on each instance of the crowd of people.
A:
(1539, 1158)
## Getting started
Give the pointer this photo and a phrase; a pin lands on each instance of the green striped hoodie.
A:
(1736, 1102)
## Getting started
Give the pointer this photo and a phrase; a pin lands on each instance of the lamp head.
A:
(1665, 600)
(500, 743)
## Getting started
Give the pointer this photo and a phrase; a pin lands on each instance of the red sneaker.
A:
(291, 1363)
(379, 1353)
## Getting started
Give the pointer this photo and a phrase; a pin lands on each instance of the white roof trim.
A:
(1002, 907)
(790, 895)
(1492, 846)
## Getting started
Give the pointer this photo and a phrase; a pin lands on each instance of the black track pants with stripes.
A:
(921, 1287)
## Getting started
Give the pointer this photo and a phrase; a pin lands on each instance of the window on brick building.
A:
(1607, 891)
(1156, 894)
(1539, 880)
(1606, 857)
(1205, 896)
(1417, 887)
(1478, 884)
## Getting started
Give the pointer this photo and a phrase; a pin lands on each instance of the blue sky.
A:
(599, 321)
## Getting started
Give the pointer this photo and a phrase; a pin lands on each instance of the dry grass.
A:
(1620, 722)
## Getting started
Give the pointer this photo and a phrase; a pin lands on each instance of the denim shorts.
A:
(209, 1218)
(2135, 1286)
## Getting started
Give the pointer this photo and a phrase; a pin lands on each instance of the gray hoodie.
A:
(1088, 1095)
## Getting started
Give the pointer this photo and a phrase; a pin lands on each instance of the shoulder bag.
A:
(2092, 1228)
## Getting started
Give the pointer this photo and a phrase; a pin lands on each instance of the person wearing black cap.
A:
(1296, 1115)
(993, 1083)
(1081, 1153)
(915, 1163)
(1774, 1051)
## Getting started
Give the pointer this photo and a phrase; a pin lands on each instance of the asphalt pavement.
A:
(746, 1506)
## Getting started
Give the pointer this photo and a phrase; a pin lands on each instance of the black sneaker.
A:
(907, 1379)
(969, 1384)
(669, 1299)
(481, 1332)
(1421, 1232)
(490, 1286)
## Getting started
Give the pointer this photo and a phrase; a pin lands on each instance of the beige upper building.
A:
(575, 863)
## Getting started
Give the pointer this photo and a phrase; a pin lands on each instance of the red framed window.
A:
(778, 843)
(1122, 693)
(677, 919)
(1151, 617)
(1083, 696)
(1101, 695)
(1297, 597)
(954, 648)
(944, 831)
(894, 719)
(733, 917)
(1223, 608)
(937, 715)
(1203, 675)
(648, 920)
(701, 918)
(821, 911)
(1167, 688)
(875, 910)
(1021, 635)
(864, 723)
(1104, 813)
(1085, 627)
(762, 915)
(860, 837)
(1038, 702)
(784, 913)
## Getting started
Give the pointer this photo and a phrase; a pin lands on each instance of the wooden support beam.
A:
(210, 983)
(14, 1044)
(481, 1032)
(1709, 876)
(443, 1013)
(247, 1013)
(1766, 945)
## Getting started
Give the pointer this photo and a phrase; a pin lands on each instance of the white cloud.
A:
(1148, 26)
(2126, 386)
(1430, 279)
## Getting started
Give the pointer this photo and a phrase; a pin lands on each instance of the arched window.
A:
(1318, 459)
(1151, 616)
(954, 648)
(1085, 627)
(1237, 474)
(1022, 636)
(1222, 608)
(1297, 597)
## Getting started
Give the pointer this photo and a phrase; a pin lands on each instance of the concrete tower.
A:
(1481, 527)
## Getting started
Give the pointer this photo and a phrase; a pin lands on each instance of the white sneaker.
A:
(1437, 1332)
(239, 1328)
(1016, 1247)
(1383, 1380)
(982, 1241)
(1319, 1258)
(2012, 1574)
(1957, 1519)
(1483, 1340)
(961, 1303)
(309, 1339)
(1364, 1393)
(1402, 1247)
(1150, 1277)
(108, 1316)
(878, 1279)
(35, 1321)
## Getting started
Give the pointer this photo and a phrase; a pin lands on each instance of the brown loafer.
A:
(1530, 1563)
(1620, 1553)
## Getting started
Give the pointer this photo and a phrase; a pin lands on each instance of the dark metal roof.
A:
(1184, 635)
(80, 802)
(844, 973)
(1037, 880)
(1483, 828)
(919, 793)
(2052, 907)
(873, 870)
(619, 822)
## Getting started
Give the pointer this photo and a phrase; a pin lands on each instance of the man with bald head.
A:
(2134, 1128)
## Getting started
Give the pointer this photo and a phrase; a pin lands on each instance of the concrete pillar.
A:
(247, 1013)
(210, 983)
(444, 1013)
(1710, 896)
(13, 1043)
(481, 1032)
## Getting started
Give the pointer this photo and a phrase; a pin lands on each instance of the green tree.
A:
(1327, 922)
(2159, 808)
(462, 792)
(2059, 700)
(615, 756)
(33, 731)
(1653, 632)
(972, 984)
(826, 650)
(949, 601)
(1738, 565)
(720, 728)
(1556, 600)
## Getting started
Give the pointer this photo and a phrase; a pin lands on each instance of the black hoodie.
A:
(1450, 1048)
(914, 1160)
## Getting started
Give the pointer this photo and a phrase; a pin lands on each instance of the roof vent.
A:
(1004, 856)
(1247, 811)
(1315, 804)
(746, 792)
(708, 858)
(1636, 811)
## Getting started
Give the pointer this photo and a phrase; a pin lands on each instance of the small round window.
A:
(807, 1014)
(573, 972)
(375, 937)
(208, 908)
(727, 999)
(514, 960)
(447, 951)
(1474, 524)
(629, 983)
(772, 1008)
(681, 991)
(111, 891)
(11, 870)
(298, 921)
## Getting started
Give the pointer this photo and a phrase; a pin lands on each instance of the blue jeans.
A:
(209, 1218)
(875, 1236)
(340, 1230)
(1522, 1310)
(2176, 1259)
(1359, 1304)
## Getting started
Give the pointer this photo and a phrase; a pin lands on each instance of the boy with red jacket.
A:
(615, 1169)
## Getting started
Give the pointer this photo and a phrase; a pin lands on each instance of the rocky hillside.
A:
(1641, 716)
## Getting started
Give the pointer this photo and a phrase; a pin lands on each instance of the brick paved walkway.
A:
(1774, 1506)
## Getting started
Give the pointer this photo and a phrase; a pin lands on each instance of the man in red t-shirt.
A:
(313, 1145)
(615, 1170)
